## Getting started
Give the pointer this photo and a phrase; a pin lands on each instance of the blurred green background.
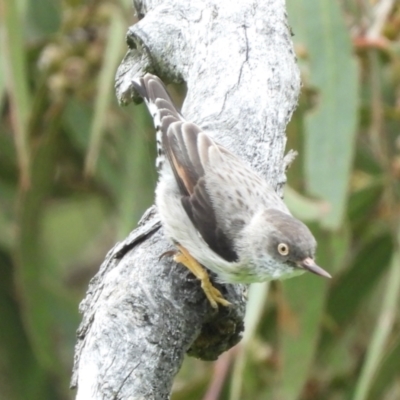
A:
(77, 171)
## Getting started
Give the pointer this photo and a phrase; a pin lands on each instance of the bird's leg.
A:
(214, 296)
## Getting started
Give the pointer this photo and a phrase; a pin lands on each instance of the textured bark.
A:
(141, 313)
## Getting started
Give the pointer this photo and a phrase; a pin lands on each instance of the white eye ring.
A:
(283, 249)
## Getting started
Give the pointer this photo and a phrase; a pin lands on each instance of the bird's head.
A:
(282, 243)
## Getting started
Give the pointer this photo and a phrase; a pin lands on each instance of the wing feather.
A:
(187, 149)
(181, 144)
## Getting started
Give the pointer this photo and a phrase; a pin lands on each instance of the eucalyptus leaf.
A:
(356, 283)
(301, 310)
(330, 127)
(303, 207)
(388, 371)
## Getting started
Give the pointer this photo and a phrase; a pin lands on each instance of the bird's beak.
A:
(309, 265)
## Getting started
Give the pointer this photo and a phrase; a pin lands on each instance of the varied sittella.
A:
(218, 212)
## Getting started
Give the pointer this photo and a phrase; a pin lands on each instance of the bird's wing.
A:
(188, 151)
(160, 106)
(219, 192)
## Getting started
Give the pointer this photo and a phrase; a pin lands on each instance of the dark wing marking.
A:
(200, 211)
(186, 148)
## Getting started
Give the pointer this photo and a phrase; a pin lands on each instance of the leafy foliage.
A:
(76, 173)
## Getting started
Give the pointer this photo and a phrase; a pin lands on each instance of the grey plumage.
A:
(211, 203)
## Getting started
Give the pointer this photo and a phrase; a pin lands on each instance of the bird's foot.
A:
(214, 296)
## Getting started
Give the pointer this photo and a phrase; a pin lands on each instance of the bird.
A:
(219, 213)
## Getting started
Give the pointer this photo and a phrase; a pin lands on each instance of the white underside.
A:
(180, 229)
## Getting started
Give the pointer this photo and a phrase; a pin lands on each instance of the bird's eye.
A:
(283, 249)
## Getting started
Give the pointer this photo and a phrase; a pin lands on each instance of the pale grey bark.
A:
(141, 314)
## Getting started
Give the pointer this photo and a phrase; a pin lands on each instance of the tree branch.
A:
(142, 314)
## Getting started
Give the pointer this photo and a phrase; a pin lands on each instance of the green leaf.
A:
(112, 56)
(2, 75)
(137, 151)
(7, 231)
(388, 371)
(356, 283)
(258, 293)
(43, 17)
(382, 330)
(300, 317)
(362, 203)
(304, 208)
(16, 79)
(76, 121)
(68, 228)
(330, 127)
(18, 363)
(36, 301)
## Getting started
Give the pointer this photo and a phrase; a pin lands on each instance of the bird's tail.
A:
(160, 106)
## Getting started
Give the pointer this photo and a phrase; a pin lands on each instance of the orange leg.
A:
(214, 296)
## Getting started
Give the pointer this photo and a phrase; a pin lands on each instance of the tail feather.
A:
(160, 106)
